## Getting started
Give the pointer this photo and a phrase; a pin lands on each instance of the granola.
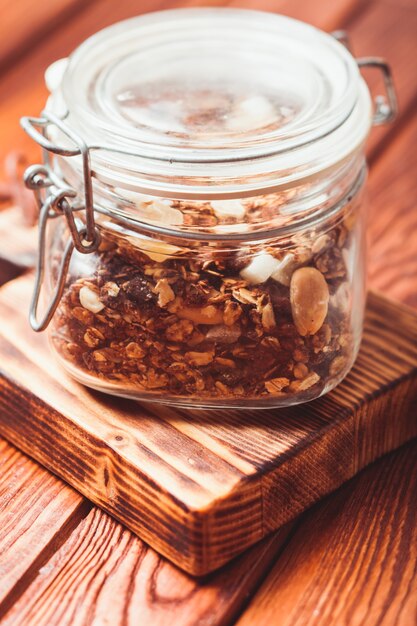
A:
(161, 320)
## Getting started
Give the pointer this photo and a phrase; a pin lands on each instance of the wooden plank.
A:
(105, 575)
(393, 219)
(388, 29)
(37, 512)
(352, 559)
(19, 244)
(24, 24)
(22, 89)
(326, 14)
(239, 475)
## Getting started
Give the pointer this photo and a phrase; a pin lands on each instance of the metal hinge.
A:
(385, 105)
(55, 200)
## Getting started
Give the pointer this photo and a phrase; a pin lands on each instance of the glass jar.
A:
(202, 213)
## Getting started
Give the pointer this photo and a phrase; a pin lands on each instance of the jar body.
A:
(264, 323)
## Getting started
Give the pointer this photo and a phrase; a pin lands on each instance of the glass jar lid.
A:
(211, 102)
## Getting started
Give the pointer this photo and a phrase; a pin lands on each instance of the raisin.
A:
(139, 291)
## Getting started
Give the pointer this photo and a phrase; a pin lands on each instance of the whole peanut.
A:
(309, 296)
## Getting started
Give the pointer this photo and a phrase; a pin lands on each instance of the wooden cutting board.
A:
(203, 486)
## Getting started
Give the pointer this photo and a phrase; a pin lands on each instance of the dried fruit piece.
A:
(309, 296)
(285, 269)
(139, 290)
(90, 300)
(260, 269)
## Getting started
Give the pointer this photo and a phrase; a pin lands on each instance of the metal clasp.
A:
(385, 104)
(55, 199)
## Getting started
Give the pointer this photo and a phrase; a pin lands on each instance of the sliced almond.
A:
(268, 317)
(164, 291)
(158, 251)
(245, 296)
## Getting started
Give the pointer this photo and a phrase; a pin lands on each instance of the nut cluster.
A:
(157, 319)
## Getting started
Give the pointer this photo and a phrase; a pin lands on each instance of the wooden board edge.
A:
(400, 398)
(184, 545)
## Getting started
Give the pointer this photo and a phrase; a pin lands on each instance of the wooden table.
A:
(351, 559)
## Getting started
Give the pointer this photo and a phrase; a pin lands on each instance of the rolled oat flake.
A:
(202, 212)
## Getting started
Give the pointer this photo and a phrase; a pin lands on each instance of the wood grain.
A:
(238, 475)
(37, 511)
(388, 29)
(105, 575)
(326, 14)
(352, 560)
(18, 244)
(395, 245)
(24, 24)
(393, 219)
